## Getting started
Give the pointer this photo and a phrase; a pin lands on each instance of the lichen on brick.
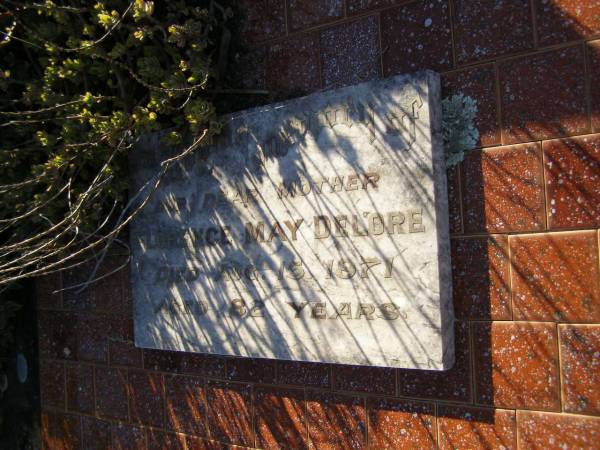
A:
(458, 126)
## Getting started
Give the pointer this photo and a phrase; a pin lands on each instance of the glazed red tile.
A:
(293, 66)
(336, 421)
(373, 380)
(350, 53)
(280, 418)
(52, 384)
(128, 437)
(555, 277)
(159, 440)
(476, 428)
(60, 431)
(454, 207)
(503, 189)
(264, 19)
(299, 373)
(573, 181)
(580, 366)
(516, 365)
(480, 278)
(251, 369)
(186, 404)
(543, 96)
(416, 36)
(46, 291)
(483, 30)
(230, 413)
(80, 389)
(95, 434)
(452, 385)
(111, 393)
(566, 20)
(163, 360)
(593, 54)
(146, 398)
(303, 14)
(360, 6)
(124, 353)
(57, 334)
(478, 83)
(395, 424)
(545, 431)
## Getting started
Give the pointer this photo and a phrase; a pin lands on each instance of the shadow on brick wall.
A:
(502, 359)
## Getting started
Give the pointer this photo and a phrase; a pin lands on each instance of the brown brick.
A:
(73, 297)
(350, 53)
(483, 30)
(229, 413)
(293, 66)
(80, 389)
(128, 437)
(516, 365)
(479, 83)
(52, 384)
(395, 424)
(111, 393)
(193, 363)
(454, 207)
(373, 380)
(555, 277)
(580, 366)
(359, 6)
(306, 13)
(300, 373)
(543, 96)
(251, 369)
(95, 434)
(146, 398)
(480, 278)
(108, 290)
(280, 418)
(159, 440)
(262, 20)
(566, 20)
(336, 421)
(503, 189)
(453, 384)
(60, 431)
(196, 443)
(214, 366)
(163, 360)
(593, 54)
(416, 36)
(57, 335)
(186, 404)
(93, 331)
(45, 286)
(476, 428)
(573, 181)
(124, 353)
(543, 431)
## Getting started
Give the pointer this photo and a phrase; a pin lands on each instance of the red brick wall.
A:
(525, 215)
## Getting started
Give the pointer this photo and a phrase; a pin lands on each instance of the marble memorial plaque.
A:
(314, 230)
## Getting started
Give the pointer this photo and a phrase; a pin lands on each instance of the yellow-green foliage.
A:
(79, 82)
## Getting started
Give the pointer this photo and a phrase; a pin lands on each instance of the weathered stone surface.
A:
(315, 229)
